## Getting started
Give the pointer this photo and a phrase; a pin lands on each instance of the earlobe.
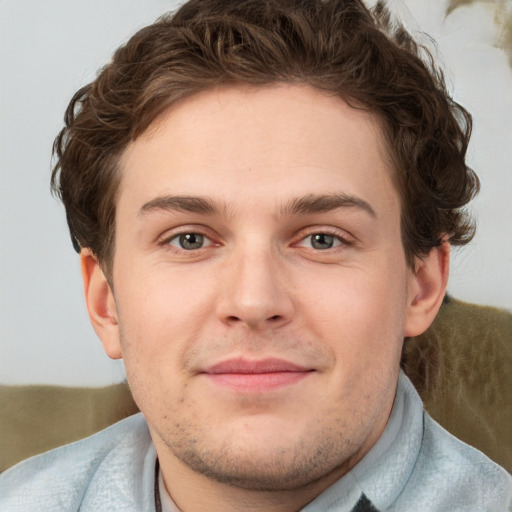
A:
(427, 288)
(100, 304)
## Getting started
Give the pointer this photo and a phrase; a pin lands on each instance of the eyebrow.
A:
(325, 203)
(192, 204)
(308, 204)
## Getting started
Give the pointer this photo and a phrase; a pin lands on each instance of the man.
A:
(263, 195)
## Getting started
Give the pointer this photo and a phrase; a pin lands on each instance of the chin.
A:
(271, 457)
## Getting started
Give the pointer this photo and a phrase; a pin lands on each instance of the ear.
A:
(100, 304)
(427, 288)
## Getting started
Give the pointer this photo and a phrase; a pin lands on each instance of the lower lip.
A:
(257, 382)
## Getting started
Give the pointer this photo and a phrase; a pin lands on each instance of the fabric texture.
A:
(113, 471)
(415, 465)
(36, 418)
(462, 369)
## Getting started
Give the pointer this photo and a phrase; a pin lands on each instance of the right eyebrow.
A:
(192, 204)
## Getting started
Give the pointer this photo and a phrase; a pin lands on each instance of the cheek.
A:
(160, 314)
(150, 291)
(151, 319)
(359, 313)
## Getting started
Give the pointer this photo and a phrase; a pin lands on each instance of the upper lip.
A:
(247, 366)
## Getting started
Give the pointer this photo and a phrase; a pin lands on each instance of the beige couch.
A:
(462, 368)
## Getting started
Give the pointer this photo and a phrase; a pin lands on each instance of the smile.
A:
(256, 376)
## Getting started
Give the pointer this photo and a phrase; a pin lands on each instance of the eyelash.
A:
(338, 240)
(167, 241)
(343, 239)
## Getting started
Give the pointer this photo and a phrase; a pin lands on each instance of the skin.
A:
(301, 261)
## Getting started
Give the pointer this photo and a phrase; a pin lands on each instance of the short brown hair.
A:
(334, 45)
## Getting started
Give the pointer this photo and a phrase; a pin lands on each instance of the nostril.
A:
(275, 317)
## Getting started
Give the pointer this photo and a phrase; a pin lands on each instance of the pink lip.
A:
(256, 376)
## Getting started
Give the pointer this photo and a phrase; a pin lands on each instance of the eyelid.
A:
(344, 237)
(337, 242)
(167, 236)
(207, 242)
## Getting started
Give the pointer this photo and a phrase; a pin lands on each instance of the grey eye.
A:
(188, 241)
(322, 241)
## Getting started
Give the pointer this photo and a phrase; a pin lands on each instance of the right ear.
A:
(100, 303)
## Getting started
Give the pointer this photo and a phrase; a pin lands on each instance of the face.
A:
(260, 288)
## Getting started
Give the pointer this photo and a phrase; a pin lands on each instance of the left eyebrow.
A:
(325, 203)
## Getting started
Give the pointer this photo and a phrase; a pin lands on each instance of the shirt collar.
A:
(384, 470)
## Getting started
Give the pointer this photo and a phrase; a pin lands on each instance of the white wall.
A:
(49, 49)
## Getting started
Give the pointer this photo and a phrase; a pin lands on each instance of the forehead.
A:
(262, 144)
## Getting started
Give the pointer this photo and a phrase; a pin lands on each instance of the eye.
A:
(321, 241)
(189, 241)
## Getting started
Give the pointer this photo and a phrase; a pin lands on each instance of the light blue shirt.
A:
(415, 466)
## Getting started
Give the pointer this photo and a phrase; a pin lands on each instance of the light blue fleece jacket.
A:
(416, 466)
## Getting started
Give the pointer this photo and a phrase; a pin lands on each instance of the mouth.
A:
(256, 375)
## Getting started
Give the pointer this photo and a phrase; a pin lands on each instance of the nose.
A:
(255, 292)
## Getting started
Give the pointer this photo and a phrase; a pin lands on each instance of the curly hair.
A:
(334, 45)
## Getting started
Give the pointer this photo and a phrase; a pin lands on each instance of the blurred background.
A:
(49, 49)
